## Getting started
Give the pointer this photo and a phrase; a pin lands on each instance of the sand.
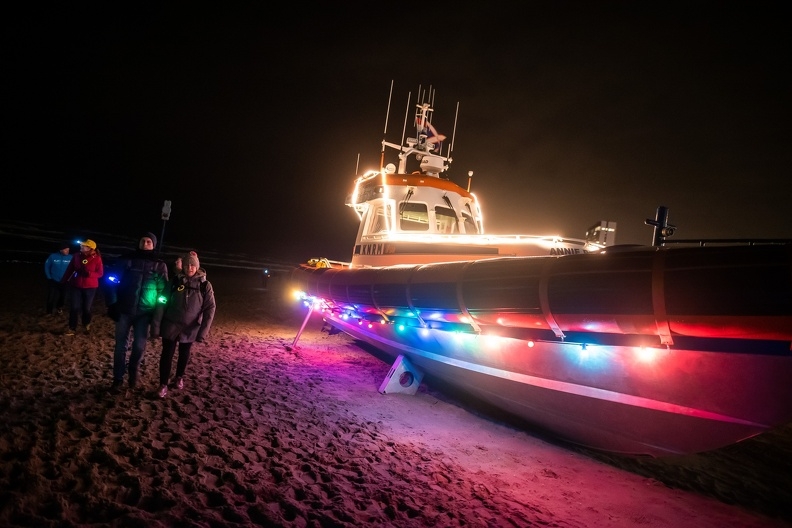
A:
(266, 434)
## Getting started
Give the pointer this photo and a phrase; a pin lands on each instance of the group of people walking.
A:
(142, 300)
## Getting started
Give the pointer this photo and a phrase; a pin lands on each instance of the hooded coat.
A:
(189, 312)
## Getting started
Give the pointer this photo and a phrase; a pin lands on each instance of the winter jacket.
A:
(142, 284)
(55, 266)
(188, 314)
(84, 270)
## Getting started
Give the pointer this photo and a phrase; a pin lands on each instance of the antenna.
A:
(388, 111)
(404, 129)
(453, 132)
(357, 164)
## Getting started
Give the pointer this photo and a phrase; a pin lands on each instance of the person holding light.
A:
(131, 303)
(82, 275)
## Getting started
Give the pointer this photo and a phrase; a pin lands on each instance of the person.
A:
(132, 299)
(177, 264)
(54, 269)
(82, 275)
(185, 318)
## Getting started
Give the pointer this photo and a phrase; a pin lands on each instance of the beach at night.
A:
(269, 434)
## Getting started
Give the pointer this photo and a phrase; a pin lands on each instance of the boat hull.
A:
(626, 354)
(607, 398)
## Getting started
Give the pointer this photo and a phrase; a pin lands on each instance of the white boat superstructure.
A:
(420, 217)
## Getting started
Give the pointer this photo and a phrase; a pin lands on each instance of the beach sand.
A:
(265, 434)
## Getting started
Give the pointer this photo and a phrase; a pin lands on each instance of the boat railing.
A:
(730, 241)
(663, 231)
(322, 262)
(477, 239)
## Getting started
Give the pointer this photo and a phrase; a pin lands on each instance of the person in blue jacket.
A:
(54, 268)
(142, 281)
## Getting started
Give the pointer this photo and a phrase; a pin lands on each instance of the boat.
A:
(681, 346)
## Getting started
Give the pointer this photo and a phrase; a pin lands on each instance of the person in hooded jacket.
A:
(141, 284)
(185, 318)
(82, 275)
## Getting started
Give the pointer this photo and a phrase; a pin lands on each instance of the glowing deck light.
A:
(491, 342)
(531, 344)
(646, 354)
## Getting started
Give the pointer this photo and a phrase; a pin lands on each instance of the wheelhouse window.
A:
(445, 220)
(413, 216)
(470, 225)
(379, 221)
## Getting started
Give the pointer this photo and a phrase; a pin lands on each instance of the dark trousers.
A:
(166, 359)
(81, 305)
(138, 325)
(56, 295)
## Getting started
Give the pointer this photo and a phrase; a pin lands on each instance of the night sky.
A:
(251, 119)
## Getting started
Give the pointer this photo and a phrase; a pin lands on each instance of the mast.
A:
(427, 143)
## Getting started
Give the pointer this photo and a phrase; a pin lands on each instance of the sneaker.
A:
(163, 391)
(179, 383)
(132, 381)
(70, 332)
(116, 386)
(88, 327)
(60, 311)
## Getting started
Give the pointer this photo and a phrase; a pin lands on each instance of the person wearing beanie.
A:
(82, 276)
(152, 237)
(132, 300)
(178, 263)
(54, 269)
(186, 318)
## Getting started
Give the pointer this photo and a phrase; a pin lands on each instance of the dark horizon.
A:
(254, 126)
(27, 243)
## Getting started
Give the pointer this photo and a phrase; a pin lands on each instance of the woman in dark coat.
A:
(186, 318)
